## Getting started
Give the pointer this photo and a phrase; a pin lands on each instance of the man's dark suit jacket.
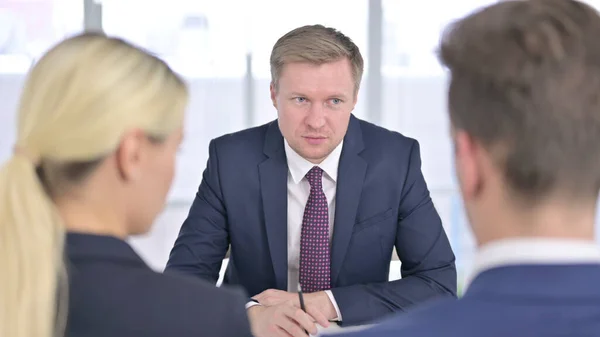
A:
(113, 293)
(382, 202)
(516, 301)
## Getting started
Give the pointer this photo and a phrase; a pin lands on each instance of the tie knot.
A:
(315, 177)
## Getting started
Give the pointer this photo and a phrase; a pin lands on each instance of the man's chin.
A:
(316, 158)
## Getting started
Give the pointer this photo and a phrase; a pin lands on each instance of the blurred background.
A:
(222, 48)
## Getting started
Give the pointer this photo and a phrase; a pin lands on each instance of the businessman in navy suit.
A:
(524, 102)
(317, 198)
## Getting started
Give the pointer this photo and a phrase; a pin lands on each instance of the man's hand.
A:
(282, 319)
(272, 297)
(317, 304)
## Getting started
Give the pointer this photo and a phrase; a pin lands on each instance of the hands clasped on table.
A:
(280, 314)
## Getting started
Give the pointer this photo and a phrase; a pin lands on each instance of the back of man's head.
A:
(525, 85)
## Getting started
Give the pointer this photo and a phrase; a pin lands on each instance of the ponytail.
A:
(31, 255)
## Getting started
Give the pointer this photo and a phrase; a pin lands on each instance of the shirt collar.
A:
(533, 251)
(299, 166)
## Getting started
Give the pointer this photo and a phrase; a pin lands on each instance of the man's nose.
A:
(316, 116)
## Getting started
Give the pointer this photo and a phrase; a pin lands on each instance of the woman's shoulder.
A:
(140, 297)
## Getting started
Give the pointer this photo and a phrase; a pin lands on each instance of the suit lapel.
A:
(273, 186)
(351, 175)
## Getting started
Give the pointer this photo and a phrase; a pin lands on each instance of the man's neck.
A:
(551, 220)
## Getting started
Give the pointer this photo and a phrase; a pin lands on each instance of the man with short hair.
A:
(317, 199)
(524, 103)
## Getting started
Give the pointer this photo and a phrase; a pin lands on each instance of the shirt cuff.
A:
(251, 304)
(337, 309)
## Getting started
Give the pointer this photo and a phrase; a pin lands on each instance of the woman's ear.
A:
(129, 154)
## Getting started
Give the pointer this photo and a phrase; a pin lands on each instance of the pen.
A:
(301, 299)
(301, 302)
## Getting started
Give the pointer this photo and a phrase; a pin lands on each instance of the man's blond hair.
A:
(318, 45)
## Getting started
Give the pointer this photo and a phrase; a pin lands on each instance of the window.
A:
(414, 100)
(27, 30)
(412, 30)
(199, 39)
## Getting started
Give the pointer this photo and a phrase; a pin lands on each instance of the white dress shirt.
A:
(298, 190)
(519, 251)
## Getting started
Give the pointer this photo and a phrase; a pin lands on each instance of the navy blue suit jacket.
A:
(382, 202)
(113, 293)
(518, 301)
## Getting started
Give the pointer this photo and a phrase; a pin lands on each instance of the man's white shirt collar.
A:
(299, 167)
(538, 251)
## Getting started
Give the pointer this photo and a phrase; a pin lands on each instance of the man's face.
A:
(314, 103)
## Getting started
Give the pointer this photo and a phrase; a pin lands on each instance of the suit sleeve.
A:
(428, 268)
(204, 237)
(187, 307)
(236, 321)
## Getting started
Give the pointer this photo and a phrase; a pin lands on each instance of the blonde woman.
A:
(99, 125)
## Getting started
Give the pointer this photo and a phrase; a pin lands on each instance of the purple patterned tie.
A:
(314, 240)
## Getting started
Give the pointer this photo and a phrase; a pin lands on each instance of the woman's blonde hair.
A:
(77, 102)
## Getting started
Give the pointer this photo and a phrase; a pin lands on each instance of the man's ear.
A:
(273, 90)
(129, 154)
(468, 165)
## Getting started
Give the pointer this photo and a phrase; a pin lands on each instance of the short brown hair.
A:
(525, 82)
(315, 44)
